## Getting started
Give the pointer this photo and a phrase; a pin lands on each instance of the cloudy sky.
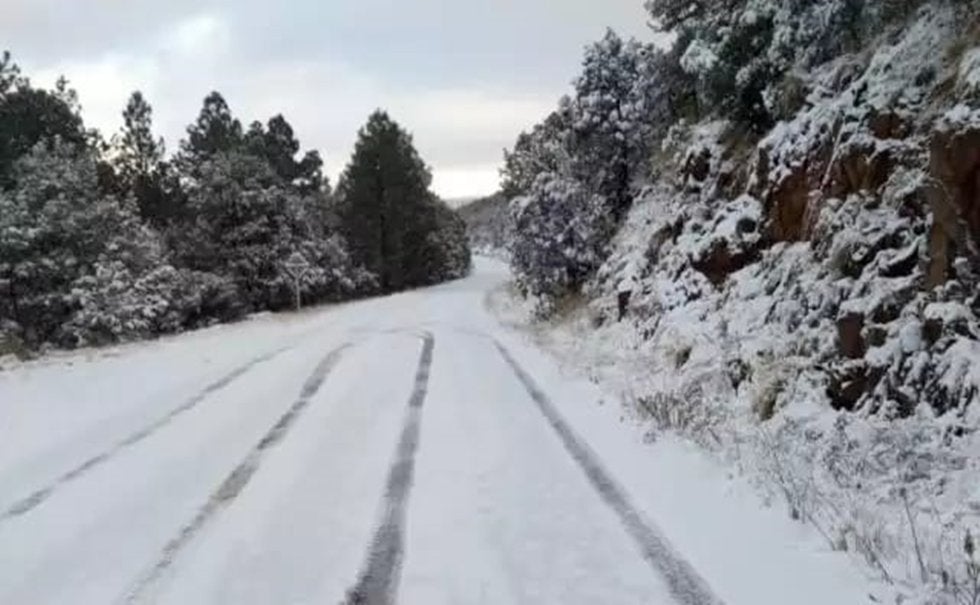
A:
(465, 76)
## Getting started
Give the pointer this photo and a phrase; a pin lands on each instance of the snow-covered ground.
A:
(331, 455)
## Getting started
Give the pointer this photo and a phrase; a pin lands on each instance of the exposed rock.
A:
(954, 197)
(876, 336)
(850, 383)
(787, 205)
(932, 330)
(720, 261)
(889, 307)
(859, 168)
(889, 124)
(791, 202)
(901, 264)
(850, 341)
(697, 167)
(940, 253)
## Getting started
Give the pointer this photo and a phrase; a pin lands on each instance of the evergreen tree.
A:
(61, 240)
(276, 143)
(139, 151)
(388, 215)
(543, 150)
(381, 189)
(29, 115)
(614, 110)
(140, 169)
(215, 131)
(9, 74)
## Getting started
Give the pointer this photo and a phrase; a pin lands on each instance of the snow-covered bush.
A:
(246, 225)
(60, 236)
(560, 233)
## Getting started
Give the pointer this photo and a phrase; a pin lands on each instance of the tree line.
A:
(103, 240)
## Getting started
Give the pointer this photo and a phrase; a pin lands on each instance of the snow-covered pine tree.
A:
(140, 169)
(574, 176)
(30, 115)
(73, 260)
(277, 144)
(613, 113)
(215, 131)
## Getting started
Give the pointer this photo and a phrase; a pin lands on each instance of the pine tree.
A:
(61, 243)
(139, 151)
(276, 143)
(215, 131)
(546, 149)
(380, 190)
(614, 110)
(140, 169)
(29, 115)
(389, 216)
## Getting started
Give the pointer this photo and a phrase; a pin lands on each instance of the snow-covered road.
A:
(408, 449)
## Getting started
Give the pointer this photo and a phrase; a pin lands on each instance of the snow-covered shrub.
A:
(560, 233)
(690, 413)
(58, 234)
(246, 225)
(111, 305)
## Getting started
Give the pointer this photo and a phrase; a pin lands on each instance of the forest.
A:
(107, 238)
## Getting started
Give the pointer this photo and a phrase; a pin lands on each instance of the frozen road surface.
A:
(408, 449)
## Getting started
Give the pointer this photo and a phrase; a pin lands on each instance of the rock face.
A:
(789, 198)
(825, 240)
(850, 340)
(954, 196)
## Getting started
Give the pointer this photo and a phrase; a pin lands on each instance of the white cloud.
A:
(200, 35)
(460, 132)
(461, 123)
(466, 182)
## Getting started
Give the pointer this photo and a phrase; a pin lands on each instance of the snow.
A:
(748, 551)
(969, 72)
(498, 512)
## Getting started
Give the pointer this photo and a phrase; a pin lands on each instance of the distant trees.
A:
(100, 243)
(396, 227)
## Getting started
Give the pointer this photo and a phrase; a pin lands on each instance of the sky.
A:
(464, 76)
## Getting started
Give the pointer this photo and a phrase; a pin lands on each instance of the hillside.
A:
(766, 237)
(487, 223)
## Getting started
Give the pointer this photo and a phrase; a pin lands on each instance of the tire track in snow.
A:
(377, 583)
(29, 503)
(684, 582)
(233, 485)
